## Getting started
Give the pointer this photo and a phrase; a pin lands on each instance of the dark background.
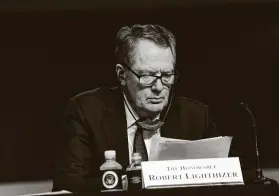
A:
(226, 53)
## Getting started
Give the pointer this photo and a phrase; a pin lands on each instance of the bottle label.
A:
(134, 180)
(111, 179)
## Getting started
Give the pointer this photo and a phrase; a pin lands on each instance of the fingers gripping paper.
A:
(175, 149)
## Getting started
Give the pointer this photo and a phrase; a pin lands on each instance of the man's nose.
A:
(158, 86)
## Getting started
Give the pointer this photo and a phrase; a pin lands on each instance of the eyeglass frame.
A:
(175, 74)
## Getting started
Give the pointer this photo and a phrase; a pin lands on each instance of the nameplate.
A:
(192, 172)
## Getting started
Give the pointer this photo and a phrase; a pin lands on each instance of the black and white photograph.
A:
(139, 97)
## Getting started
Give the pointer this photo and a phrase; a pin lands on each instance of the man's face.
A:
(150, 59)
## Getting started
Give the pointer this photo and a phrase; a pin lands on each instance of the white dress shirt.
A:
(132, 127)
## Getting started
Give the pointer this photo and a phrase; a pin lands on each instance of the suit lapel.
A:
(115, 126)
(172, 126)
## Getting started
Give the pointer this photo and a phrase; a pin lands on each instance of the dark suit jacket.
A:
(95, 121)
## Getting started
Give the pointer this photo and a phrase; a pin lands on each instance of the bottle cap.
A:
(136, 156)
(110, 154)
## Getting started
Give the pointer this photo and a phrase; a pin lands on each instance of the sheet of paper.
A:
(173, 149)
(156, 140)
(49, 193)
(165, 139)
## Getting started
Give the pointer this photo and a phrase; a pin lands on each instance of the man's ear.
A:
(121, 74)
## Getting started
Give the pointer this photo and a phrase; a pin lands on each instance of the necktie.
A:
(139, 145)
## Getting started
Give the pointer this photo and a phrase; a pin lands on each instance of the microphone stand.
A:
(260, 178)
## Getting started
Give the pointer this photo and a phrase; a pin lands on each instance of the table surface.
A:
(236, 190)
(44, 187)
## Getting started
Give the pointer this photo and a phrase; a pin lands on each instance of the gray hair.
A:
(128, 36)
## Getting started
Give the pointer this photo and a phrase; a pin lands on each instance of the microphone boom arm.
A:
(259, 173)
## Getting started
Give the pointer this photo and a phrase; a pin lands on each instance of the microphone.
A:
(259, 173)
(244, 104)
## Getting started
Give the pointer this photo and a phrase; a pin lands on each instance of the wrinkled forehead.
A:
(150, 55)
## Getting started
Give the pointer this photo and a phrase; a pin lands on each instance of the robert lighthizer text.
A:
(193, 176)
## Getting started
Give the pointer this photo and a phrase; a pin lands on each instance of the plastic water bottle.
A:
(134, 173)
(111, 173)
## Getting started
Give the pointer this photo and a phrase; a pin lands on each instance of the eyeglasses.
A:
(150, 80)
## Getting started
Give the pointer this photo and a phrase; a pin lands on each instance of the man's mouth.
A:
(156, 100)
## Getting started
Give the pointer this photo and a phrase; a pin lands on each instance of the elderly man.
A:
(127, 117)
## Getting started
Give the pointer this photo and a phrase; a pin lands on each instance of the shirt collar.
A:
(129, 117)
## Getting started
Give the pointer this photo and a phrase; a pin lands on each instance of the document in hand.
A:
(175, 149)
